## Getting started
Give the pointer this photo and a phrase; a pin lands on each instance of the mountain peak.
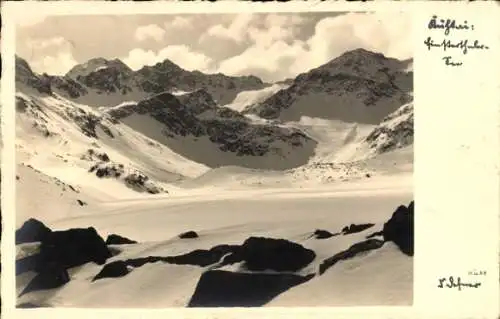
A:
(168, 65)
(361, 63)
(96, 64)
(362, 51)
(358, 56)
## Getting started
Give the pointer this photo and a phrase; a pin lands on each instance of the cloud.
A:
(151, 31)
(236, 31)
(179, 54)
(271, 46)
(50, 55)
(58, 64)
(275, 54)
(371, 31)
(273, 60)
(259, 29)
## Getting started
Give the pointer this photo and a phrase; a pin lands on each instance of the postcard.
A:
(250, 159)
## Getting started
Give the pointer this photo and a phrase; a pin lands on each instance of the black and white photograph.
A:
(214, 160)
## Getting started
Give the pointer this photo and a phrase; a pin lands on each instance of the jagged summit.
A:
(165, 65)
(95, 65)
(361, 63)
(29, 79)
(102, 82)
(362, 53)
(22, 66)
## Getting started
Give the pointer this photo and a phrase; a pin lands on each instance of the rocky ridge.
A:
(358, 86)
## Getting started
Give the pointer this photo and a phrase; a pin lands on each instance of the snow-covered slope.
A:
(67, 140)
(230, 218)
(247, 98)
(393, 133)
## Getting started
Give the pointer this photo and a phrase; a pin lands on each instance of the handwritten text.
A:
(462, 45)
(452, 282)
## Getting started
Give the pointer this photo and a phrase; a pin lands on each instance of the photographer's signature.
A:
(453, 282)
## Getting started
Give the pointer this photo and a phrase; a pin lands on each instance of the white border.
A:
(457, 116)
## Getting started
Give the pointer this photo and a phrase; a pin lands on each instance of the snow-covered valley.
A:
(221, 208)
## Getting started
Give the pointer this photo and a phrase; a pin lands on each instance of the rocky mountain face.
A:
(198, 101)
(395, 131)
(110, 77)
(358, 86)
(214, 136)
(114, 80)
(223, 88)
(26, 77)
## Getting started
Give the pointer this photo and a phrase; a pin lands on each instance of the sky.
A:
(271, 46)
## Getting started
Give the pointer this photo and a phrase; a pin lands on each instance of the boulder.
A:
(322, 234)
(73, 247)
(356, 228)
(199, 257)
(261, 253)
(188, 234)
(114, 239)
(80, 202)
(400, 230)
(203, 258)
(351, 252)
(32, 231)
(114, 269)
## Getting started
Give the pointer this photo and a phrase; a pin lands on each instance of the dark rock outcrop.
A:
(198, 257)
(114, 239)
(352, 251)
(166, 109)
(81, 203)
(70, 88)
(167, 75)
(59, 251)
(114, 77)
(26, 76)
(227, 129)
(188, 234)
(198, 101)
(257, 253)
(49, 278)
(114, 269)
(32, 230)
(375, 234)
(218, 288)
(203, 258)
(400, 229)
(322, 234)
(354, 228)
(261, 253)
(73, 247)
